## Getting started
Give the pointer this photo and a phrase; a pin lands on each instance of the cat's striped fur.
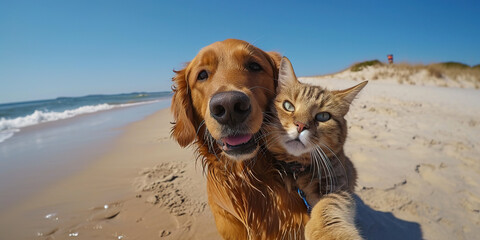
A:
(309, 128)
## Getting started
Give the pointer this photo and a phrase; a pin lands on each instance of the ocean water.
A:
(15, 116)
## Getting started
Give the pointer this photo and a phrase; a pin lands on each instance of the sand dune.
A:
(440, 75)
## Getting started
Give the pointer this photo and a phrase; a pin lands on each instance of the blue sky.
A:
(73, 48)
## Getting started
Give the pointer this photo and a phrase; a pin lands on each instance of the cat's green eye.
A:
(322, 117)
(288, 106)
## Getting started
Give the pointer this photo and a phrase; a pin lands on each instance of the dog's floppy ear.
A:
(183, 130)
(275, 59)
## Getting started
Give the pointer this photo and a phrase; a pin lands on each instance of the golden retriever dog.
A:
(219, 105)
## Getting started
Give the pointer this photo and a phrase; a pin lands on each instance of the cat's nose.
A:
(300, 126)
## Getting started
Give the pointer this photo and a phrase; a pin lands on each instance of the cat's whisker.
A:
(332, 178)
(272, 141)
(312, 164)
(318, 162)
(269, 122)
(332, 169)
(316, 165)
(320, 168)
(327, 164)
(266, 141)
(265, 135)
(321, 164)
(341, 164)
(316, 159)
(270, 112)
(261, 88)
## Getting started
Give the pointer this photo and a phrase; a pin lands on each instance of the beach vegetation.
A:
(362, 65)
(453, 65)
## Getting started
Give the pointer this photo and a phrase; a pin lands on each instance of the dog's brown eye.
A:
(203, 75)
(254, 67)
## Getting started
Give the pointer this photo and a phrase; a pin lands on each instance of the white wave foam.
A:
(8, 127)
(4, 135)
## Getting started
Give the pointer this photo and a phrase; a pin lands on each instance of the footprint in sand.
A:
(472, 123)
(163, 139)
(107, 211)
(163, 185)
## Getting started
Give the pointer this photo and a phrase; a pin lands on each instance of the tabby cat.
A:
(306, 135)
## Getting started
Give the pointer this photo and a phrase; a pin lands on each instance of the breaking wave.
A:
(8, 127)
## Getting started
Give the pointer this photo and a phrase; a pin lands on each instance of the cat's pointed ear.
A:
(350, 93)
(286, 75)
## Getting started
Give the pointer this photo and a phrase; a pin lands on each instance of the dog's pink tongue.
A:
(237, 140)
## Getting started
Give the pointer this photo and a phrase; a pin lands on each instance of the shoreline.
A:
(79, 117)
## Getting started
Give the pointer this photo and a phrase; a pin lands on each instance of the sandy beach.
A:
(415, 149)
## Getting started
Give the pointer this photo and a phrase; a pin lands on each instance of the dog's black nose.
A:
(230, 108)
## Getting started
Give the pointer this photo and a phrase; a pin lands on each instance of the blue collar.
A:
(304, 198)
(295, 169)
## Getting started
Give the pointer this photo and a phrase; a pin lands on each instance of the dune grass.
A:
(361, 65)
(452, 65)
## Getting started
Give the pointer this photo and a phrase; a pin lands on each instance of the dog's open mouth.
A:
(239, 144)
